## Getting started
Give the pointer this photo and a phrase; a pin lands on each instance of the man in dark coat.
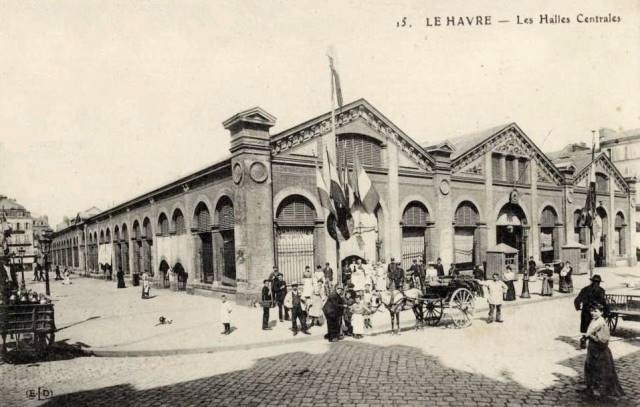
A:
(267, 298)
(439, 267)
(533, 268)
(279, 292)
(333, 309)
(395, 277)
(328, 277)
(588, 296)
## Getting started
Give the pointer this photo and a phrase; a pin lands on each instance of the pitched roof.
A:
(465, 142)
(8, 203)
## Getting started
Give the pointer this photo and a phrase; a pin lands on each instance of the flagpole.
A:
(335, 138)
(593, 154)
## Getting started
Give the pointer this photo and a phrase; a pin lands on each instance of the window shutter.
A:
(548, 218)
(496, 167)
(415, 215)
(296, 212)
(367, 150)
(204, 220)
(466, 215)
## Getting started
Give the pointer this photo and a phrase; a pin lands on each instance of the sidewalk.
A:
(117, 322)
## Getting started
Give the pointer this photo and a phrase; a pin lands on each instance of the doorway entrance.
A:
(512, 230)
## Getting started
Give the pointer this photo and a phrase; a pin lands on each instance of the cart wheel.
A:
(42, 340)
(433, 312)
(462, 307)
(612, 321)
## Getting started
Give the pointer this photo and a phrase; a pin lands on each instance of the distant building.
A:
(624, 150)
(21, 223)
(40, 227)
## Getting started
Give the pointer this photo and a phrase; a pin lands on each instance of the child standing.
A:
(225, 315)
(367, 298)
(358, 310)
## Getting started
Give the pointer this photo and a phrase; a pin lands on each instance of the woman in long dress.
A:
(566, 282)
(599, 369)
(508, 278)
(547, 282)
(120, 278)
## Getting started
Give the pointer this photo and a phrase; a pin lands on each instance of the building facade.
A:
(221, 229)
(624, 150)
(20, 243)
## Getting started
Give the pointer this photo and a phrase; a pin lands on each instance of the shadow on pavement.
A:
(60, 350)
(78, 323)
(352, 373)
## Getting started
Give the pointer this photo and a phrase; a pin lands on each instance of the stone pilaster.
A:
(394, 244)
(253, 200)
(631, 236)
(611, 250)
(444, 211)
(488, 201)
(534, 231)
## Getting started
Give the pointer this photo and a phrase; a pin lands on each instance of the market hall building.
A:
(221, 229)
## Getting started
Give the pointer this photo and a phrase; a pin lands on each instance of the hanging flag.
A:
(335, 189)
(589, 210)
(366, 191)
(323, 193)
(335, 82)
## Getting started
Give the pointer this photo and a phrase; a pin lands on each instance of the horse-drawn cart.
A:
(622, 306)
(457, 295)
(31, 325)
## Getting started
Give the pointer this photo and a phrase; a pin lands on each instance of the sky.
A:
(105, 100)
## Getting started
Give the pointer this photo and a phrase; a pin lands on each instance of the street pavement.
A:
(530, 359)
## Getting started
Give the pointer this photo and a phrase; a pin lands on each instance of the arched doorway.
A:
(600, 237)
(137, 248)
(415, 236)
(124, 249)
(204, 243)
(147, 244)
(512, 230)
(164, 274)
(181, 277)
(117, 253)
(549, 235)
(466, 241)
(225, 242)
(295, 221)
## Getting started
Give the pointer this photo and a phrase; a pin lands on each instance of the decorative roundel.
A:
(258, 172)
(444, 187)
(238, 172)
(513, 196)
(570, 197)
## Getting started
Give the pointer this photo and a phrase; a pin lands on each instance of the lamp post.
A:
(525, 275)
(21, 252)
(45, 246)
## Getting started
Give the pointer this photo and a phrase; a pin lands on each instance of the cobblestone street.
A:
(531, 359)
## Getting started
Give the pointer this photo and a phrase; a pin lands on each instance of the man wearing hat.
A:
(279, 292)
(333, 309)
(395, 277)
(267, 300)
(295, 301)
(588, 296)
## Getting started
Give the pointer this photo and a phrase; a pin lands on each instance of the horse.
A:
(396, 301)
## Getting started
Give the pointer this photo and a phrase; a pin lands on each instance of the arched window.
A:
(178, 222)
(295, 211)
(202, 218)
(108, 236)
(415, 239)
(579, 231)
(367, 149)
(466, 214)
(415, 215)
(148, 231)
(136, 230)
(466, 241)
(163, 225)
(295, 220)
(226, 220)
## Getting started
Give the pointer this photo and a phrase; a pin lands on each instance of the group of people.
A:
(39, 274)
(565, 277)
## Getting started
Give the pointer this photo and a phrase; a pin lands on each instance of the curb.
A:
(384, 329)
